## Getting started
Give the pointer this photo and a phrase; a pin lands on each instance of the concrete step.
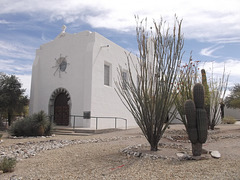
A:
(92, 131)
(62, 131)
(81, 131)
(71, 130)
(71, 134)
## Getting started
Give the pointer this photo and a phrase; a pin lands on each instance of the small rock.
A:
(1, 172)
(215, 154)
(136, 154)
(181, 155)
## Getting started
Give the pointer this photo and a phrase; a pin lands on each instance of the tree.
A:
(153, 84)
(12, 98)
(233, 100)
(217, 87)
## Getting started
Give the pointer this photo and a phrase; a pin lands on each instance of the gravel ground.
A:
(100, 157)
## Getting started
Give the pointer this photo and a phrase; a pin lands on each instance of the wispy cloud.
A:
(210, 50)
(225, 40)
(215, 21)
(14, 67)
(43, 38)
(16, 50)
(2, 21)
(217, 68)
(203, 20)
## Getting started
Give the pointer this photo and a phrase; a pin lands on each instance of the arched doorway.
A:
(61, 110)
(60, 107)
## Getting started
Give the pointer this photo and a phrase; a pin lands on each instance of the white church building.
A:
(73, 81)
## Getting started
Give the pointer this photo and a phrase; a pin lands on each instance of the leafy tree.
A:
(12, 98)
(233, 100)
(150, 97)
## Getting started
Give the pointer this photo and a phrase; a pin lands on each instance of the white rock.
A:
(215, 154)
(181, 154)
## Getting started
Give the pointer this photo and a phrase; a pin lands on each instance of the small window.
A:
(138, 81)
(125, 79)
(107, 72)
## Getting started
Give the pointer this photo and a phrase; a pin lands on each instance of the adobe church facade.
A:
(74, 75)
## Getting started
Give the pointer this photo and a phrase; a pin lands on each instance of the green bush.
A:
(229, 120)
(36, 125)
(7, 164)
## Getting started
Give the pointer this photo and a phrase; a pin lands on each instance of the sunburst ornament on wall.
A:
(61, 65)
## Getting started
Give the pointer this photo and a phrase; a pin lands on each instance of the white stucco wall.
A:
(105, 101)
(84, 78)
(76, 80)
(232, 112)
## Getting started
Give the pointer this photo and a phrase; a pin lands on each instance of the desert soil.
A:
(104, 160)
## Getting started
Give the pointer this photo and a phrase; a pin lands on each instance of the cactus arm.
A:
(190, 111)
(198, 95)
(202, 125)
(207, 94)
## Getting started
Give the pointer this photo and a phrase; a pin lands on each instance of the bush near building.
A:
(37, 124)
(229, 120)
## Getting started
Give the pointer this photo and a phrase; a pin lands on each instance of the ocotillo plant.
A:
(197, 123)
(207, 94)
(217, 88)
(153, 81)
(189, 75)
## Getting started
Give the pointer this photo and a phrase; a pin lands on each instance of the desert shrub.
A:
(17, 128)
(229, 120)
(37, 124)
(7, 164)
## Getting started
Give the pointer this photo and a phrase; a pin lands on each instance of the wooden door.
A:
(61, 110)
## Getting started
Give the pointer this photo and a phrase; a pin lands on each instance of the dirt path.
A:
(103, 160)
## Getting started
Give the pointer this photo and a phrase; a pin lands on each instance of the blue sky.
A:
(211, 29)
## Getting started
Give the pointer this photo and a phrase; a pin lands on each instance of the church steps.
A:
(81, 131)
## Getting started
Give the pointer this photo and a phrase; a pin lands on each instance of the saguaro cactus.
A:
(196, 120)
(207, 94)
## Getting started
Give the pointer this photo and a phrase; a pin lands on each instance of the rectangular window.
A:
(125, 79)
(138, 81)
(107, 74)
